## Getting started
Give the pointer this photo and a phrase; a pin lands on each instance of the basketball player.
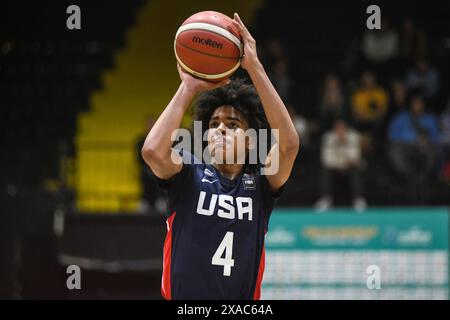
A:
(219, 212)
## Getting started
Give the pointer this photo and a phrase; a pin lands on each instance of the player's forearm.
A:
(158, 142)
(275, 110)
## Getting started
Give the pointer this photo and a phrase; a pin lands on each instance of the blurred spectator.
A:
(341, 155)
(153, 199)
(398, 99)
(276, 62)
(413, 42)
(332, 102)
(303, 129)
(280, 78)
(423, 79)
(380, 46)
(274, 51)
(413, 137)
(444, 154)
(271, 51)
(399, 95)
(300, 123)
(369, 104)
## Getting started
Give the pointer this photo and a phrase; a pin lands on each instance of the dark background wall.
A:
(319, 37)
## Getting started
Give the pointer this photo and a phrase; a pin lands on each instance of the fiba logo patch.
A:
(249, 182)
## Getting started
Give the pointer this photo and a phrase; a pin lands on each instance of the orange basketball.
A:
(208, 46)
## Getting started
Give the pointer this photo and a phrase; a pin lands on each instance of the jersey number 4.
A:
(225, 246)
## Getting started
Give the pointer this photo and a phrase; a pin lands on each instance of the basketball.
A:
(208, 46)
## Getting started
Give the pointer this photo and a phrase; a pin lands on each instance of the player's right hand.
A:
(197, 85)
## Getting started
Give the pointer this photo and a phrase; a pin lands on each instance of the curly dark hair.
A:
(239, 94)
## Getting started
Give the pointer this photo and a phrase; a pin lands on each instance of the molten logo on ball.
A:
(208, 42)
(208, 46)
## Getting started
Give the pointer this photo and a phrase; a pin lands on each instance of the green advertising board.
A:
(331, 255)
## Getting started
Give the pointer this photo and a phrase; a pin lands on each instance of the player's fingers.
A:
(225, 82)
(181, 71)
(245, 36)
(239, 27)
(239, 21)
(222, 83)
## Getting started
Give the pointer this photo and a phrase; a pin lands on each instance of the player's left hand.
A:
(197, 85)
(250, 57)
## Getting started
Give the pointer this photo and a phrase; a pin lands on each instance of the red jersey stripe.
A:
(262, 263)
(166, 289)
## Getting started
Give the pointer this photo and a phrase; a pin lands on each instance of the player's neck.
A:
(229, 171)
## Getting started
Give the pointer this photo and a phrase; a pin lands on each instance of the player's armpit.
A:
(163, 166)
(278, 166)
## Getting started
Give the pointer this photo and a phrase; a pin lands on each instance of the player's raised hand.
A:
(197, 85)
(250, 57)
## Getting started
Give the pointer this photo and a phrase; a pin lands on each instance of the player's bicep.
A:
(167, 167)
(278, 167)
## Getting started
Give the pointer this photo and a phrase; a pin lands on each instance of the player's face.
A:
(226, 135)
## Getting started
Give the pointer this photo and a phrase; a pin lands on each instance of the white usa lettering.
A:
(227, 206)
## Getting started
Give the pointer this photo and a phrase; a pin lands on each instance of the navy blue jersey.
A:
(214, 247)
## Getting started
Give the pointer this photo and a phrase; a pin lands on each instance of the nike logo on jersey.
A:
(206, 180)
(208, 176)
(208, 173)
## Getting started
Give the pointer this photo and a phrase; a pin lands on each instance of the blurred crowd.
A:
(389, 113)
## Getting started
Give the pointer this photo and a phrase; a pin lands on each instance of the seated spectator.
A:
(423, 80)
(369, 103)
(444, 154)
(341, 154)
(280, 78)
(332, 102)
(300, 123)
(397, 101)
(274, 51)
(413, 136)
(302, 127)
(153, 199)
(398, 97)
(380, 46)
(412, 43)
(369, 109)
